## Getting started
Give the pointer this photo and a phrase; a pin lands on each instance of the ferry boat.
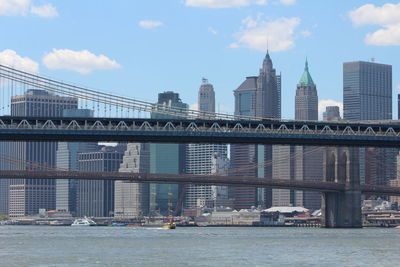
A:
(83, 222)
(170, 225)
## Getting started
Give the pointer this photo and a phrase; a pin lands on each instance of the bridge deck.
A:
(201, 131)
(197, 179)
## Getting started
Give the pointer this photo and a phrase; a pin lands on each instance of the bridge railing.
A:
(183, 125)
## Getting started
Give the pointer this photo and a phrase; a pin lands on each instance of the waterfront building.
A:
(132, 199)
(96, 197)
(67, 159)
(396, 182)
(26, 197)
(367, 95)
(257, 96)
(168, 159)
(5, 164)
(199, 157)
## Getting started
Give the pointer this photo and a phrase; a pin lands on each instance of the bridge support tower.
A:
(342, 210)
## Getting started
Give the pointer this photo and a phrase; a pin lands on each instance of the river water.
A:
(197, 246)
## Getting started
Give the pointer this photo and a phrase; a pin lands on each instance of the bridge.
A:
(311, 133)
(199, 179)
(116, 121)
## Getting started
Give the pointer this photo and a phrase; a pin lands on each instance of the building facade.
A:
(67, 159)
(168, 159)
(308, 160)
(199, 156)
(96, 197)
(26, 197)
(132, 199)
(367, 95)
(244, 157)
(257, 96)
(331, 113)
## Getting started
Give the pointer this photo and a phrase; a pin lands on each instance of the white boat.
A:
(83, 222)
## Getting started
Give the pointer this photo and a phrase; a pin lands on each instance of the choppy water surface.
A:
(128, 246)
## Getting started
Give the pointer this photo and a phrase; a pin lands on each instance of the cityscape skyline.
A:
(199, 132)
(210, 45)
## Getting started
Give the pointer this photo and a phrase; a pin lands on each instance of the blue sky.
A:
(141, 48)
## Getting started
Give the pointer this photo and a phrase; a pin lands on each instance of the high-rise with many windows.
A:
(199, 156)
(67, 159)
(132, 199)
(308, 160)
(257, 96)
(168, 159)
(367, 95)
(26, 197)
(96, 197)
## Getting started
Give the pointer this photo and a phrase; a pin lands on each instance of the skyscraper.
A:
(96, 198)
(199, 156)
(26, 197)
(67, 159)
(132, 199)
(257, 96)
(367, 95)
(308, 160)
(244, 157)
(168, 159)
(206, 97)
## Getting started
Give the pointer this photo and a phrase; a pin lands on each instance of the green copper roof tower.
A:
(308, 166)
(306, 77)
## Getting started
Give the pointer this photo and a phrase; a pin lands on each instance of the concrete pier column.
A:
(342, 209)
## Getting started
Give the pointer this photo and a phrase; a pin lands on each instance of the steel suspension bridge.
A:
(126, 119)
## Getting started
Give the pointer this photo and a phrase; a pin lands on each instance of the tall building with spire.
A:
(308, 160)
(257, 96)
(306, 97)
(300, 162)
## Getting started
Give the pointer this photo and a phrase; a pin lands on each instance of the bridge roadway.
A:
(320, 133)
(198, 179)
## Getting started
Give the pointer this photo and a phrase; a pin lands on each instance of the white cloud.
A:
(386, 16)
(370, 14)
(10, 58)
(322, 104)
(389, 35)
(150, 24)
(14, 7)
(288, 2)
(212, 30)
(223, 3)
(25, 7)
(80, 61)
(277, 35)
(45, 11)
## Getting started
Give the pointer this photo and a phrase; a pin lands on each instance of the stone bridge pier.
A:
(342, 210)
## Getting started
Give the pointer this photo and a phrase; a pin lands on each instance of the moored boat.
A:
(84, 222)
